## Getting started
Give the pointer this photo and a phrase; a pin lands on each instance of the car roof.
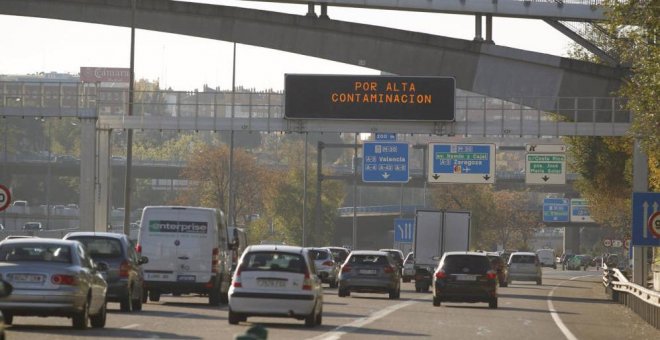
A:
(524, 253)
(37, 240)
(368, 252)
(276, 247)
(95, 233)
(391, 250)
(476, 253)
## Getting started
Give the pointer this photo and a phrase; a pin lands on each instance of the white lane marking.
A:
(555, 316)
(483, 331)
(339, 331)
(133, 325)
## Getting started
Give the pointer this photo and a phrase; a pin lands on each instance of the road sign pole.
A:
(640, 184)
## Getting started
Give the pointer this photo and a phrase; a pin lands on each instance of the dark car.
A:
(397, 255)
(124, 275)
(368, 271)
(465, 277)
(339, 253)
(499, 266)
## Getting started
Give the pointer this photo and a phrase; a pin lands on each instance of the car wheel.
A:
(98, 320)
(154, 296)
(79, 319)
(436, 301)
(392, 294)
(492, 303)
(234, 318)
(137, 304)
(126, 303)
(310, 320)
(145, 295)
(319, 317)
(9, 317)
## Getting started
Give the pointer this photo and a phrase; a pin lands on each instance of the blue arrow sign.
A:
(461, 163)
(404, 229)
(385, 162)
(645, 205)
(556, 210)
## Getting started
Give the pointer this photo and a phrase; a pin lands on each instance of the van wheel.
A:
(392, 294)
(214, 297)
(145, 295)
(154, 295)
(436, 301)
(137, 304)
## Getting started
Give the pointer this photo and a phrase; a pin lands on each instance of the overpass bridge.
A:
(487, 69)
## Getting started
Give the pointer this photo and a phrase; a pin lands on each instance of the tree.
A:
(636, 24)
(208, 172)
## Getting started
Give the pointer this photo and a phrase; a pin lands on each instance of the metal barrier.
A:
(643, 301)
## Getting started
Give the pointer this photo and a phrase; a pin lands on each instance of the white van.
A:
(187, 249)
(547, 258)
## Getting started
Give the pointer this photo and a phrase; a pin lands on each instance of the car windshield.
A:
(273, 261)
(465, 264)
(523, 259)
(368, 259)
(318, 254)
(42, 252)
(101, 247)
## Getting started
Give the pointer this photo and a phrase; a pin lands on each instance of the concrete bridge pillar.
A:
(87, 172)
(103, 176)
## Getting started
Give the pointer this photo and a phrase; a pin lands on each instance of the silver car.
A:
(52, 277)
(408, 271)
(326, 267)
(524, 266)
(368, 271)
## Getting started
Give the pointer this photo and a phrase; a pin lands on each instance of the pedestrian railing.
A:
(641, 300)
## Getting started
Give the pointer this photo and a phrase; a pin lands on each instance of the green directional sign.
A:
(545, 168)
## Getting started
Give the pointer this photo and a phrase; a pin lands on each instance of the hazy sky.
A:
(32, 45)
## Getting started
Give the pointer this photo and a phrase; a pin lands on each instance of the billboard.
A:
(105, 75)
(369, 97)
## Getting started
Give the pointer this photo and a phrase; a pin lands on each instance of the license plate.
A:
(158, 276)
(186, 278)
(466, 278)
(27, 278)
(271, 283)
(367, 271)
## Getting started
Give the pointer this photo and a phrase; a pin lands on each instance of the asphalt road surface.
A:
(569, 305)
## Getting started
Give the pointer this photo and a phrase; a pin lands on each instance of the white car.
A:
(276, 281)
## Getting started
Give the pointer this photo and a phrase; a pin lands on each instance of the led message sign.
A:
(369, 97)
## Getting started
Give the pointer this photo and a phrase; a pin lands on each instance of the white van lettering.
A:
(178, 227)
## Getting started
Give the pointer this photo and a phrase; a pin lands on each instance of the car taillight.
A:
(307, 281)
(388, 269)
(215, 259)
(491, 275)
(346, 268)
(328, 263)
(138, 248)
(123, 269)
(61, 279)
(441, 274)
(236, 282)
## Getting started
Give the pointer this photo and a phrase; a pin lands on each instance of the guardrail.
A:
(643, 301)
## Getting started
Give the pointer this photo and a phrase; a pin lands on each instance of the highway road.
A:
(569, 305)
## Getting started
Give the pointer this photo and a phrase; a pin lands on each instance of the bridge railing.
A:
(213, 110)
(643, 301)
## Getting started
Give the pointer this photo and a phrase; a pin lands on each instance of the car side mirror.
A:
(5, 288)
(143, 260)
(102, 266)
